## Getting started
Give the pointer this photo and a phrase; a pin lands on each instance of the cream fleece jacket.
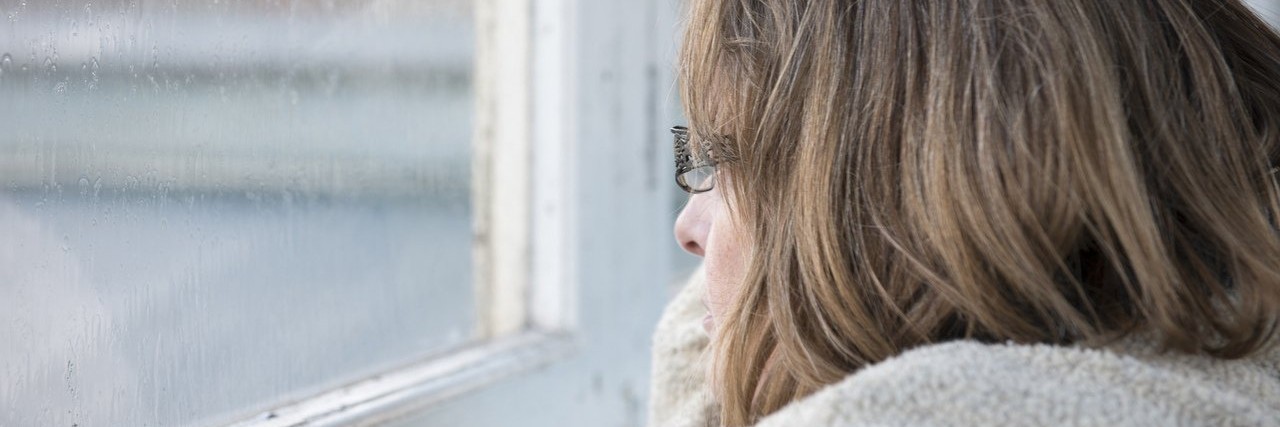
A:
(973, 384)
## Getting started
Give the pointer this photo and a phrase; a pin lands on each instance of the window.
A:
(218, 207)
(266, 212)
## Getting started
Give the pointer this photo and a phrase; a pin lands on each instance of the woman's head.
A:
(910, 172)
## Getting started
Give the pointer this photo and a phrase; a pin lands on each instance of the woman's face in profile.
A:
(705, 229)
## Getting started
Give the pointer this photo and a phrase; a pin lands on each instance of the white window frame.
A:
(524, 280)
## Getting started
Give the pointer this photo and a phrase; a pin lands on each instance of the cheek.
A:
(725, 263)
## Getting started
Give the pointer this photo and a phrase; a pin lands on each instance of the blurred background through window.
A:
(212, 207)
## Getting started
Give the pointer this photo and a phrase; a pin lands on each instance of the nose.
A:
(693, 225)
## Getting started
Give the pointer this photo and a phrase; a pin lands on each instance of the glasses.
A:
(695, 165)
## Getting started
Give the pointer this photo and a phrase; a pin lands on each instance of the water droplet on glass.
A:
(93, 72)
(6, 62)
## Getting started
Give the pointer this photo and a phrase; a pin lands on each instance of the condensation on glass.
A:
(210, 208)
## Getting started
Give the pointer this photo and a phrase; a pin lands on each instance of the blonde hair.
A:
(1038, 171)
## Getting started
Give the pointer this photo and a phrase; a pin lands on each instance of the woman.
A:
(977, 212)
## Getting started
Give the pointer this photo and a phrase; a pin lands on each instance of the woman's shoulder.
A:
(969, 383)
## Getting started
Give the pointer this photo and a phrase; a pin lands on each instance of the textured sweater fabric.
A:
(966, 383)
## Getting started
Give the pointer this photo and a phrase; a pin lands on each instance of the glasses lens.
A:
(700, 179)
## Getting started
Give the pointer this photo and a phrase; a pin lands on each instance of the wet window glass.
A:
(211, 208)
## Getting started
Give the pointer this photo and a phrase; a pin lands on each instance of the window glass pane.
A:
(208, 208)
